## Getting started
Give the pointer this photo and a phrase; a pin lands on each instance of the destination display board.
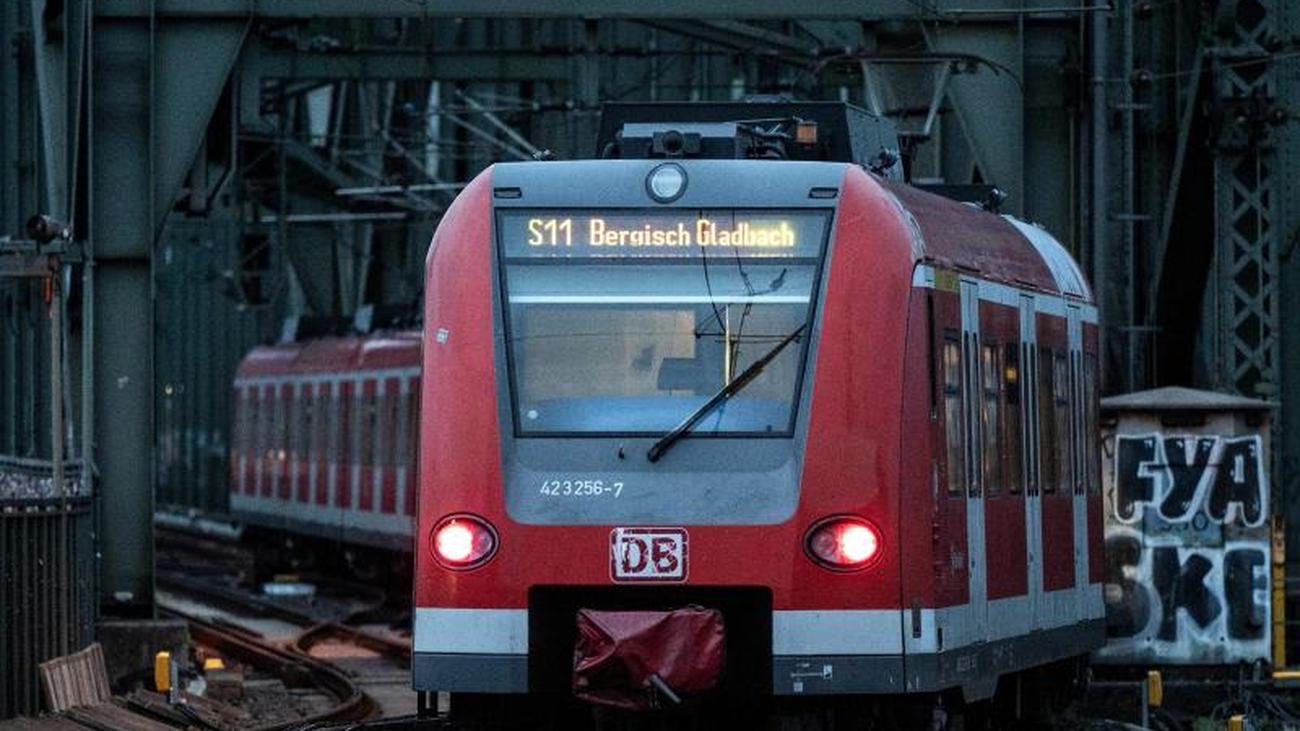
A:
(661, 234)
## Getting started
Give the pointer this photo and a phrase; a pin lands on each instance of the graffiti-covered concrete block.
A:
(1187, 505)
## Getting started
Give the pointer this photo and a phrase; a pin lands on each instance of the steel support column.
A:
(1246, 207)
(154, 86)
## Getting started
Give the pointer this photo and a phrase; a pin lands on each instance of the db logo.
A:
(647, 554)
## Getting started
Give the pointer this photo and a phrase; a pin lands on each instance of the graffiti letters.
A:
(1187, 550)
(1189, 477)
(1173, 604)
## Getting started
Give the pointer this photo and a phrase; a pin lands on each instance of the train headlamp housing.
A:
(461, 542)
(666, 182)
(843, 543)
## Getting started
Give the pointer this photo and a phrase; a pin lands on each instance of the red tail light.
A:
(463, 542)
(844, 543)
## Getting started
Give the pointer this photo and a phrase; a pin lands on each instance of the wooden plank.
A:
(75, 680)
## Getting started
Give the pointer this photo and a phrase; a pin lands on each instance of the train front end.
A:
(661, 433)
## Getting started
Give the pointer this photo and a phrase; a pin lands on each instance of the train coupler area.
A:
(602, 645)
(640, 660)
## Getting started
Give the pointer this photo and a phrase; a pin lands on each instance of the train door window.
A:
(334, 412)
(320, 422)
(990, 374)
(369, 423)
(1061, 392)
(281, 423)
(261, 440)
(1091, 429)
(1048, 454)
(358, 423)
(302, 425)
(392, 425)
(382, 436)
(953, 413)
(1029, 393)
(1011, 445)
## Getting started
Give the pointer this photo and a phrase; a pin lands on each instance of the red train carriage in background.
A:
(738, 418)
(325, 437)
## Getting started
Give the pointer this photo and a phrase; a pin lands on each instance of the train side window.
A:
(381, 436)
(1047, 451)
(953, 414)
(393, 432)
(1011, 444)
(265, 419)
(331, 407)
(369, 423)
(358, 422)
(284, 418)
(1091, 428)
(1061, 390)
(321, 424)
(302, 426)
(990, 373)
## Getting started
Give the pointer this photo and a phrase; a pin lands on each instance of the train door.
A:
(975, 531)
(1029, 439)
(1074, 334)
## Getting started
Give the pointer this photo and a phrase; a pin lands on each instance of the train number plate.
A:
(647, 554)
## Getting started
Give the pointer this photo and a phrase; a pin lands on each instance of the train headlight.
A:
(844, 543)
(666, 183)
(463, 542)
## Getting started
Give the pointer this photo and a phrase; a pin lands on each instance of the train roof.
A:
(1179, 398)
(1000, 248)
(378, 351)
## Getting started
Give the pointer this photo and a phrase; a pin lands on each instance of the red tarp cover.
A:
(617, 652)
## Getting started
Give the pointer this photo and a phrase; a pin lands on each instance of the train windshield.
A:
(624, 323)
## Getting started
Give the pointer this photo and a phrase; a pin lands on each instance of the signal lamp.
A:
(844, 543)
(463, 542)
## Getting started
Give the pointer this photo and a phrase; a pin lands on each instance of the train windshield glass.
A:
(626, 322)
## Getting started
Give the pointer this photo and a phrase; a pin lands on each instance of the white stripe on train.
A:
(794, 632)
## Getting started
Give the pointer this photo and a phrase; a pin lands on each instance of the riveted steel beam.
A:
(686, 9)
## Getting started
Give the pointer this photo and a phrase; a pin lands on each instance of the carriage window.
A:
(282, 419)
(1091, 427)
(1012, 446)
(331, 406)
(302, 425)
(1061, 390)
(321, 423)
(990, 374)
(265, 422)
(359, 423)
(952, 417)
(369, 427)
(392, 424)
(1047, 451)
(625, 322)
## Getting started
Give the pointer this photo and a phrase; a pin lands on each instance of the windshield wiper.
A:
(731, 389)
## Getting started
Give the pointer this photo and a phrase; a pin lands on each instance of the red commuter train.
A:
(726, 415)
(323, 444)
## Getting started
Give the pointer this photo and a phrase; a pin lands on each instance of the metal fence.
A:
(47, 590)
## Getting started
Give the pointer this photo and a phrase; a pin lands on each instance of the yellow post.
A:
(1155, 689)
(1278, 577)
(162, 671)
(1237, 723)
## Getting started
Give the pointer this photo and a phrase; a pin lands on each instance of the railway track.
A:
(331, 635)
